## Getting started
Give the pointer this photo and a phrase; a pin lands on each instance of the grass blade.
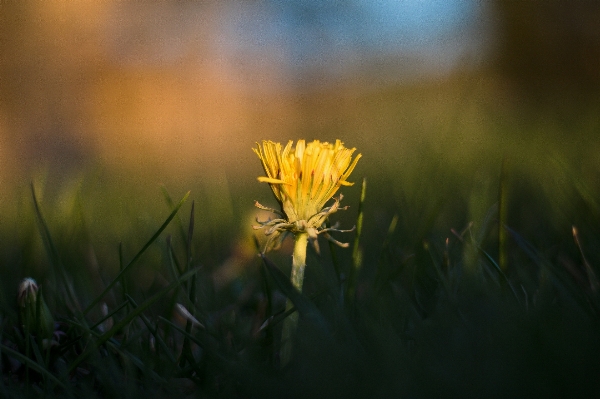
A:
(250, 379)
(304, 306)
(138, 255)
(31, 364)
(356, 251)
(502, 217)
(153, 331)
(132, 315)
(109, 315)
(53, 252)
(171, 205)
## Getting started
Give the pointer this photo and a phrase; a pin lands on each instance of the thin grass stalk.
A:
(379, 273)
(176, 271)
(27, 351)
(341, 278)
(30, 364)
(172, 205)
(266, 285)
(138, 255)
(111, 314)
(502, 218)
(38, 314)
(438, 270)
(154, 331)
(125, 321)
(559, 276)
(173, 261)
(503, 281)
(38, 356)
(592, 279)
(188, 242)
(124, 286)
(334, 259)
(356, 251)
(120, 348)
(47, 354)
(186, 352)
(53, 253)
(269, 316)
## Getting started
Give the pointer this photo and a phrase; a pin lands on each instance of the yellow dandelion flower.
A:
(304, 178)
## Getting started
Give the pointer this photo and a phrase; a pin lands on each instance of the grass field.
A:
(466, 278)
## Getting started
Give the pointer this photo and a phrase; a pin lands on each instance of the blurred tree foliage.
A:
(549, 47)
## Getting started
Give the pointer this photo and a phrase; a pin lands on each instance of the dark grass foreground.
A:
(480, 313)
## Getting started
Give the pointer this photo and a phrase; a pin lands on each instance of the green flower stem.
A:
(291, 322)
(299, 260)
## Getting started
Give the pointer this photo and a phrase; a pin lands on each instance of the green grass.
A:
(466, 279)
(432, 311)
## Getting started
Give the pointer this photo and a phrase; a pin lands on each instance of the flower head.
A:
(303, 178)
(33, 311)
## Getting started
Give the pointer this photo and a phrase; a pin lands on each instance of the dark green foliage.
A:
(489, 301)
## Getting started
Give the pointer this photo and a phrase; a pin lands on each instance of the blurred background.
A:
(470, 115)
(102, 102)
